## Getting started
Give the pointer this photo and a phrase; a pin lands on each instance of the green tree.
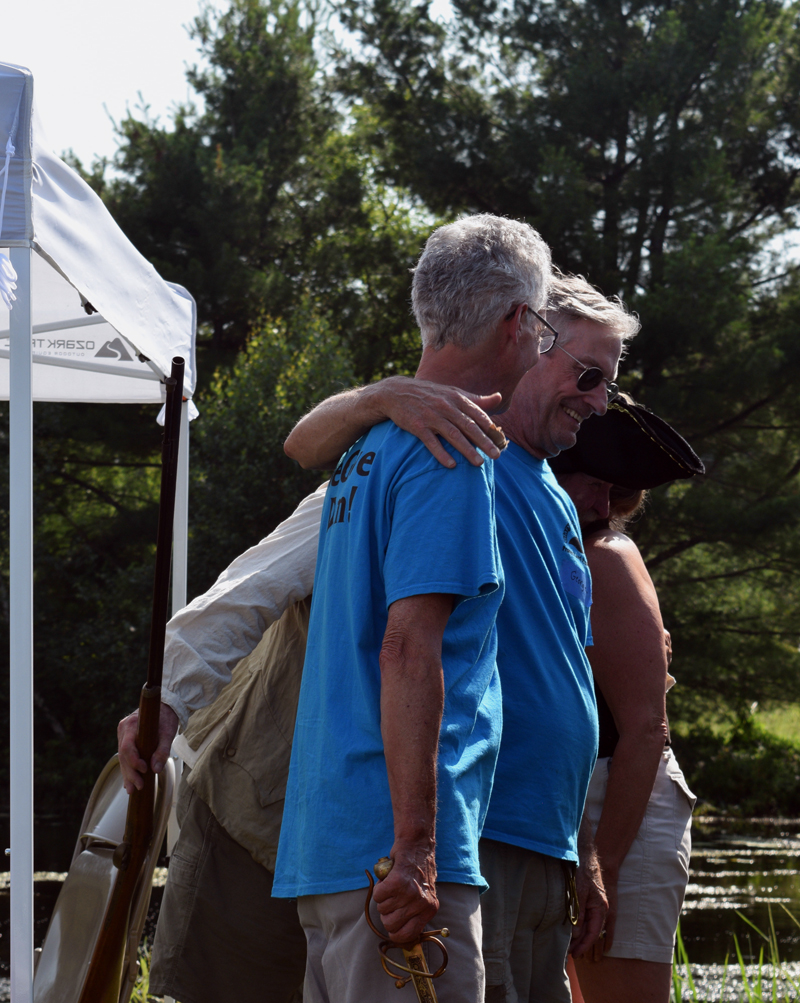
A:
(214, 197)
(97, 472)
(242, 482)
(624, 130)
(725, 552)
(96, 498)
(262, 194)
(654, 144)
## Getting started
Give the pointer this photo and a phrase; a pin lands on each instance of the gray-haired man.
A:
(398, 720)
(399, 717)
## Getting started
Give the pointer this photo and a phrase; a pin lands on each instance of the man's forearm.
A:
(588, 862)
(412, 703)
(430, 411)
(412, 700)
(591, 893)
(320, 437)
(586, 848)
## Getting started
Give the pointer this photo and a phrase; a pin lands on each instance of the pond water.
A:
(740, 868)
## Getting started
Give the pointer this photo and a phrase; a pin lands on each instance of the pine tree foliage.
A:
(299, 258)
(262, 194)
(655, 146)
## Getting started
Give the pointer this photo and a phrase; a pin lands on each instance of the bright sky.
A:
(92, 58)
(91, 55)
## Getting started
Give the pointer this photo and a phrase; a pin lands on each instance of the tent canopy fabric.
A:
(82, 258)
(81, 357)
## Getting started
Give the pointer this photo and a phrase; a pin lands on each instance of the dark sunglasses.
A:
(592, 377)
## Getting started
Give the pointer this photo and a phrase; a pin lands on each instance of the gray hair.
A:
(573, 296)
(472, 273)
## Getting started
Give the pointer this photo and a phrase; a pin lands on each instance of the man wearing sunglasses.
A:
(530, 839)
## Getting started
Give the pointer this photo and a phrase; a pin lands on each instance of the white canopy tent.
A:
(92, 321)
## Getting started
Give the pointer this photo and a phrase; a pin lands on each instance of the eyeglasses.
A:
(546, 341)
(592, 377)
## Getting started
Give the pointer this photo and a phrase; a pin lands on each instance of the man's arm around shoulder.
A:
(426, 410)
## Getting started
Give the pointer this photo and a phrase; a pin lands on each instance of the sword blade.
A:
(421, 976)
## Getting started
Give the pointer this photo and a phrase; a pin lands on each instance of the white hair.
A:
(472, 273)
(571, 296)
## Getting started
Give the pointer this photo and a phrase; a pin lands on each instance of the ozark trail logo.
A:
(114, 350)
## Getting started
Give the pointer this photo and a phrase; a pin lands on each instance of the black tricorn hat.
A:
(631, 447)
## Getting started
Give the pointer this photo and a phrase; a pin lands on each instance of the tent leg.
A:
(21, 628)
(180, 547)
(180, 554)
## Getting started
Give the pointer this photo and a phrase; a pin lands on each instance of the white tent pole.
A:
(180, 547)
(65, 325)
(21, 614)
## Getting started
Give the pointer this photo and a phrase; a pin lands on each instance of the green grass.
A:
(141, 989)
(783, 721)
(764, 986)
(744, 767)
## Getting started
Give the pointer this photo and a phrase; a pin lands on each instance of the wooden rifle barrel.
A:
(104, 977)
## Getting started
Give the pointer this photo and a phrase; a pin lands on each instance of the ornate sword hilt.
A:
(415, 968)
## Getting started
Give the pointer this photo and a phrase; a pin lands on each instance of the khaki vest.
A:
(242, 773)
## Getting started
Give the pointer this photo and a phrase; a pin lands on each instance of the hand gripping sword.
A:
(416, 964)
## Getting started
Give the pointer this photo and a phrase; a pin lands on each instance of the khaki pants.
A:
(526, 932)
(344, 965)
(221, 937)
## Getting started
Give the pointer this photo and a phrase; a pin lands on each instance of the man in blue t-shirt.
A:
(398, 722)
(529, 844)
(549, 741)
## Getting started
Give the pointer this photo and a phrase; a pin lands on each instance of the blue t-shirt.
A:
(395, 524)
(549, 743)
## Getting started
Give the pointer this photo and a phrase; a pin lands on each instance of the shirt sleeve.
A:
(207, 638)
(443, 533)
